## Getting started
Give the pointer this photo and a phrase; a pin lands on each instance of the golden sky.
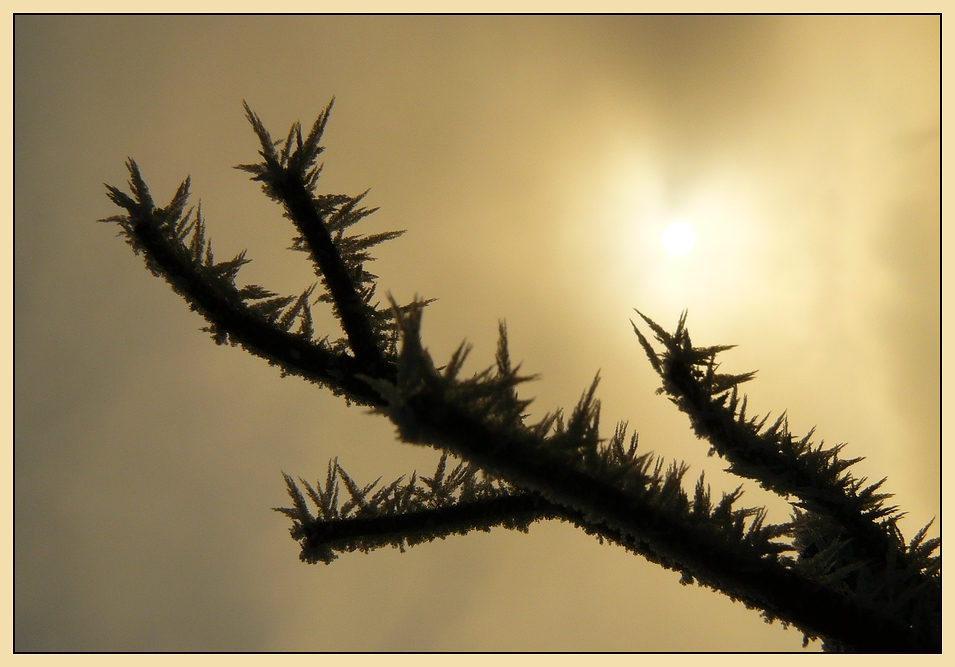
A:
(535, 162)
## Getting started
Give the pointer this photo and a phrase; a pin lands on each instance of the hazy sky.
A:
(535, 162)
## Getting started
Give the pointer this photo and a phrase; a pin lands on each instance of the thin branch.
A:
(290, 182)
(162, 236)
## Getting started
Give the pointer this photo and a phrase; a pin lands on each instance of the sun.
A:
(678, 239)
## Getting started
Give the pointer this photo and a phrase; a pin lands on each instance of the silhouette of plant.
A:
(839, 570)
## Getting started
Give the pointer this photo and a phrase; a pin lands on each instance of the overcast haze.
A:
(535, 162)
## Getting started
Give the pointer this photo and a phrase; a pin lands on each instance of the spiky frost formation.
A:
(402, 513)
(851, 581)
(844, 534)
(289, 174)
(175, 247)
(174, 244)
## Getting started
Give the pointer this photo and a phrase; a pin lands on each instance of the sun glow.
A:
(678, 238)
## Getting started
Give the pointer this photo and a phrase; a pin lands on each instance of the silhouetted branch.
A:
(852, 581)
